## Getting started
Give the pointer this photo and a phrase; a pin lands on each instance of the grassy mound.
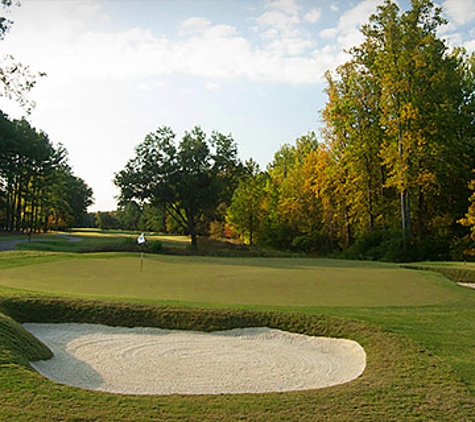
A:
(402, 380)
(459, 273)
(54, 310)
(18, 345)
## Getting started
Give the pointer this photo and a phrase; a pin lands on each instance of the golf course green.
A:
(236, 281)
(417, 328)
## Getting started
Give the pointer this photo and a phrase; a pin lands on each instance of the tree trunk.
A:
(405, 206)
(192, 230)
(251, 230)
(349, 237)
(9, 208)
(17, 206)
(194, 239)
(370, 207)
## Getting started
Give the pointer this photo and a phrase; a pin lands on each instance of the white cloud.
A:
(313, 16)
(284, 37)
(289, 7)
(348, 30)
(278, 20)
(290, 46)
(64, 42)
(329, 33)
(453, 39)
(211, 86)
(270, 34)
(221, 31)
(73, 50)
(460, 11)
(351, 21)
(470, 46)
(194, 25)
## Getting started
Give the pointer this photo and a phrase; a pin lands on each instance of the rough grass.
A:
(402, 381)
(460, 272)
(18, 344)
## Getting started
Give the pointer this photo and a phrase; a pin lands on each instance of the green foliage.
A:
(380, 245)
(246, 213)
(154, 246)
(189, 180)
(388, 182)
(16, 79)
(469, 219)
(38, 190)
(400, 136)
(291, 209)
(314, 243)
(152, 219)
(106, 220)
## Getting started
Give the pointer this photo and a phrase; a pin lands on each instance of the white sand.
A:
(470, 285)
(162, 362)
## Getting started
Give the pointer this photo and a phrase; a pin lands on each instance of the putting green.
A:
(247, 281)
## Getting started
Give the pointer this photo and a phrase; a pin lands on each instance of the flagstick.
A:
(141, 240)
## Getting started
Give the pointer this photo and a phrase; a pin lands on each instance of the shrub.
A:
(154, 246)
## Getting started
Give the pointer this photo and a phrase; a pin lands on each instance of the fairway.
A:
(240, 281)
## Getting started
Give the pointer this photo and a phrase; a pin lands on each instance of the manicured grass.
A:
(417, 327)
(402, 381)
(243, 281)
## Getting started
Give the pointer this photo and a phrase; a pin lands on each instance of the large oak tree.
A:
(189, 179)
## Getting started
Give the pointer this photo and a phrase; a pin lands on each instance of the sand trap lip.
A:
(154, 361)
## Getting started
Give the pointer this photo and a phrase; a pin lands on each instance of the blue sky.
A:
(118, 69)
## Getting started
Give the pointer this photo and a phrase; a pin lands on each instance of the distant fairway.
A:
(240, 281)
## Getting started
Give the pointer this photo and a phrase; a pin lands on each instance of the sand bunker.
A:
(162, 362)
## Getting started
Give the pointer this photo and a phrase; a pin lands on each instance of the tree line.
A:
(388, 178)
(38, 190)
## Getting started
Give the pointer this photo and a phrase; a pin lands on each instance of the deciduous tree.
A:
(186, 179)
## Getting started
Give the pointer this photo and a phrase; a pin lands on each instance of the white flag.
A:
(141, 239)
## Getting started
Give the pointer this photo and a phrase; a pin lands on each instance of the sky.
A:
(119, 69)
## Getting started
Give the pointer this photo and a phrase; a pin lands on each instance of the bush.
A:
(155, 246)
(312, 243)
(381, 245)
(129, 241)
(462, 249)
